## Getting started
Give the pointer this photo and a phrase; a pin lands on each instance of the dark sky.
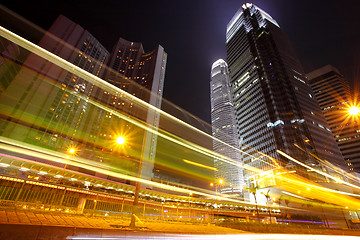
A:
(193, 34)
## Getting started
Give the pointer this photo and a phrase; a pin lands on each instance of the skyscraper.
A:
(274, 105)
(333, 94)
(59, 105)
(224, 129)
(142, 75)
(39, 90)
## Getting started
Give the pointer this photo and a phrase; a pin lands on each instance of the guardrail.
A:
(16, 193)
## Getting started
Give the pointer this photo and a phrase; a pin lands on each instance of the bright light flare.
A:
(354, 110)
(120, 140)
(72, 150)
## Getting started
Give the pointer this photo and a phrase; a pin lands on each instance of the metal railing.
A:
(32, 195)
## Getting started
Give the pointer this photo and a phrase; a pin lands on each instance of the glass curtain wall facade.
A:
(224, 129)
(58, 102)
(333, 94)
(274, 106)
(142, 75)
(57, 110)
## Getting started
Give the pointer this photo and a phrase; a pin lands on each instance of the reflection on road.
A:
(211, 237)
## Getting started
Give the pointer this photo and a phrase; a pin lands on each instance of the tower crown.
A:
(219, 66)
(242, 19)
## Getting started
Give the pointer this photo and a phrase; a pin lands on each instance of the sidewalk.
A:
(18, 217)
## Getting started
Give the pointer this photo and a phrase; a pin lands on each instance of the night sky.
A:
(193, 34)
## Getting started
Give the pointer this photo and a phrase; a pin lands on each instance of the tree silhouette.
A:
(252, 190)
(268, 199)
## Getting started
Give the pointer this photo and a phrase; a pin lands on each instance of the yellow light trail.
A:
(98, 82)
(313, 186)
(317, 171)
(110, 88)
(199, 165)
(331, 166)
(20, 147)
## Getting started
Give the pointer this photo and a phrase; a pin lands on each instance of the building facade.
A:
(142, 75)
(226, 140)
(332, 92)
(48, 106)
(275, 107)
(50, 95)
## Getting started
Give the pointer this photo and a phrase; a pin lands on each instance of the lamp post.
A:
(219, 181)
(138, 185)
(72, 151)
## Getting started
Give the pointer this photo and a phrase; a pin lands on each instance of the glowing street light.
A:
(72, 150)
(120, 140)
(219, 181)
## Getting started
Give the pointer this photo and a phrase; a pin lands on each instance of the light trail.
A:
(253, 236)
(331, 166)
(317, 171)
(14, 146)
(326, 195)
(199, 165)
(94, 79)
(114, 90)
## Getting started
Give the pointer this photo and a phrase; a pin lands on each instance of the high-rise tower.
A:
(274, 106)
(142, 75)
(64, 109)
(333, 94)
(54, 111)
(224, 129)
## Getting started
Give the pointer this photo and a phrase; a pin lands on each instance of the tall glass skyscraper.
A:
(333, 94)
(275, 107)
(142, 75)
(56, 103)
(224, 129)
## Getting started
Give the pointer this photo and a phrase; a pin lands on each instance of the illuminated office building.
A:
(142, 75)
(8, 68)
(40, 89)
(54, 102)
(333, 94)
(275, 107)
(224, 129)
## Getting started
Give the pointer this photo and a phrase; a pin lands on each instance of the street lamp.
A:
(120, 140)
(219, 181)
(71, 151)
(138, 183)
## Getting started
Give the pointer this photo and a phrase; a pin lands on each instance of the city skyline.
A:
(89, 145)
(179, 29)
